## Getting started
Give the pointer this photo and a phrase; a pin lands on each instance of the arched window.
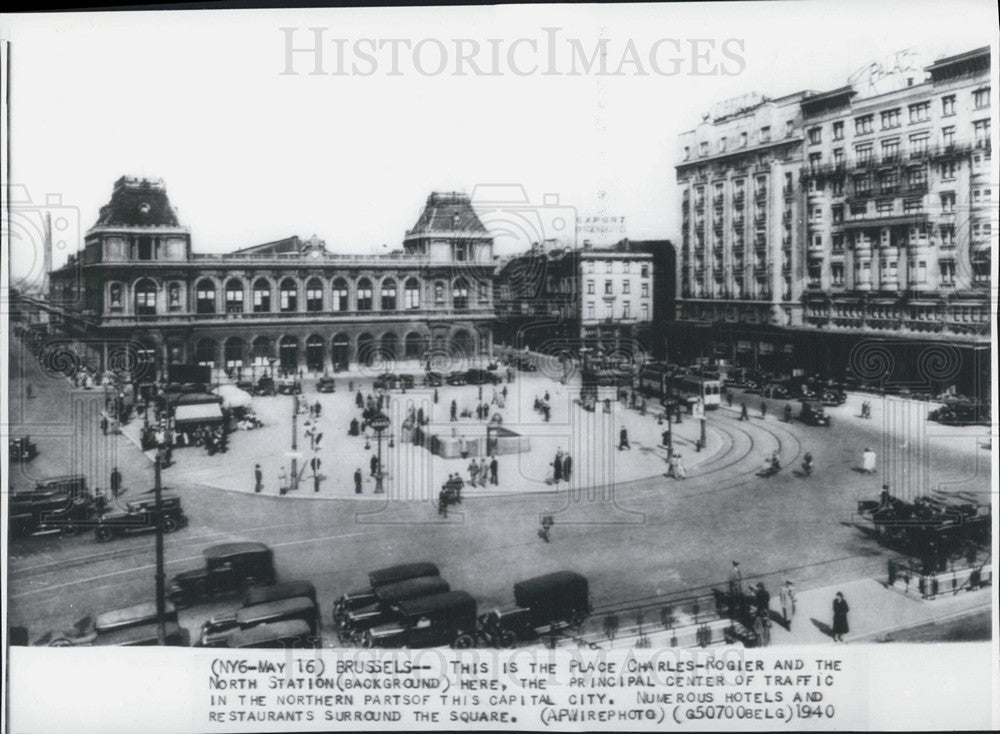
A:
(415, 345)
(234, 296)
(364, 295)
(204, 352)
(145, 298)
(412, 294)
(388, 295)
(205, 296)
(339, 294)
(460, 295)
(261, 296)
(314, 295)
(289, 296)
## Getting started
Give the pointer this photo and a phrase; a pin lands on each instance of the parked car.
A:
(385, 608)
(289, 386)
(476, 376)
(32, 513)
(326, 384)
(455, 378)
(433, 379)
(775, 390)
(813, 413)
(87, 629)
(552, 600)
(277, 635)
(406, 381)
(147, 635)
(385, 381)
(72, 484)
(220, 624)
(380, 577)
(229, 568)
(961, 413)
(21, 449)
(526, 365)
(139, 516)
(215, 632)
(833, 397)
(265, 386)
(431, 621)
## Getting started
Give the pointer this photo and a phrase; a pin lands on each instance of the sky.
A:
(250, 154)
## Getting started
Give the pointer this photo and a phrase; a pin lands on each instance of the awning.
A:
(198, 412)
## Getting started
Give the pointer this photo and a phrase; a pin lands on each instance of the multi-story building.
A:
(596, 298)
(137, 284)
(889, 203)
(741, 228)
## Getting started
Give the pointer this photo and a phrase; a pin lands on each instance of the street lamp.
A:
(161, 597)
(379, 424)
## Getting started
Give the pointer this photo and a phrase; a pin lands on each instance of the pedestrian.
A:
(679, 469)
(787, 598)
(735, 580)
(454, 411)
(282, 482)
(373, 465)
(557, 466)
(567, 466)
(762, 600)
(258, 479)
(104, 425)
(357, 480)
(435, 396)
(868, 458)
(359, 400)
(763, 409)
(623, 440)
(840, 610)
(473, 472)
(483, 470)
(743, 412)
(480, 392)
(354, 430)
(494, 469)
(116, 481)
(729, 398)
(547, 523)
(672, 465)
(29, 391)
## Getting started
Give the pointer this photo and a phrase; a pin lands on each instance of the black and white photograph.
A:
(500, 367)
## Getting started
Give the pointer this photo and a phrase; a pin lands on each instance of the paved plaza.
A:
(648, 536)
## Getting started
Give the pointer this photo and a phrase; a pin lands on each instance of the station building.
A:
(139, 289)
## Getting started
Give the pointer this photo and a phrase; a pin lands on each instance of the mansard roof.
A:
(138, 202)
(449, 212)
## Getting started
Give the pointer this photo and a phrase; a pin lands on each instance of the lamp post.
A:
(379, 423)
(294, 478)
(161, 599)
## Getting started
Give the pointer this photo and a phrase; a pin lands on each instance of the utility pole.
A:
(294, 479)
(161, 597)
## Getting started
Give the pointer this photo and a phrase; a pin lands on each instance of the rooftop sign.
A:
(736, 105)
(895, 71)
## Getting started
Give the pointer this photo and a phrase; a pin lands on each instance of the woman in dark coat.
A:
(840, 610)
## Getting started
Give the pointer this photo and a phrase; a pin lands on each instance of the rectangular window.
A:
(922, 271)
(765, 134)
(645, 290)
(918, 145)
(863, 154)
(913, 205)
(920, 112)
(838, 130)
(949, 169)
(590, 287)
(837, 273)
(858, 210)
(890, 119)
(590, 266)
(608, 287)
(884, 207)
(916, 176)
(815, 135)
(625, 310)
(814, 159)
(981, 132)
(863, 124)
(890, 150)
(948, 105)
(948, 202)
(703, 149)
(838, 214)
(645, 311)
(743, 140)
(948, 136)
(644, 272)
(947, 234)
(687, 152)
(887, 182)
(837, 241)
(947, 273)
(590, 311)
(838, 157)
(722, 144)
(789, 128)
(837, 187)
(981, 98)
(626, 286)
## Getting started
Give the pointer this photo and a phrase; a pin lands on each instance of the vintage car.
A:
(326, 384)
(430, 621)
(260, 596)
(541, 603)
(73, 484)
(289, 386)
(86, 630)
(147, 635)
(476, 376)
(21, 449)
(433, 379)
(455, 378)
(139, 516)
(526, 365)
(34, 513)
(775, 390)
(386, 600)
(229, 568)
(833, 396)
(381, 577)
(215, 631)
(813, 413)
(264, 386)
(961, 413)
(290, 634)
(406, 381)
